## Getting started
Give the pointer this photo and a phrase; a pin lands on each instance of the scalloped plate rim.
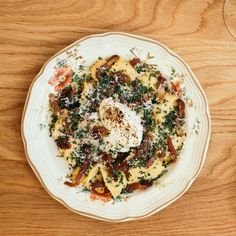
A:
(205, 149)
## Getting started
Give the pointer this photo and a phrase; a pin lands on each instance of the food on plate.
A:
(119, 124)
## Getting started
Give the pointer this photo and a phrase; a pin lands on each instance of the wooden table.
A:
(32, 31)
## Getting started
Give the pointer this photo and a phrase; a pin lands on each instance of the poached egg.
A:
(124, 125)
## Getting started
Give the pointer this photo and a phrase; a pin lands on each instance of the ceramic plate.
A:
(41, 150)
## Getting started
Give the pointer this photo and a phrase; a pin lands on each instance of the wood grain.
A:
(32, 31)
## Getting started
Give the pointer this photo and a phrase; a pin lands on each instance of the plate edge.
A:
(205, 149)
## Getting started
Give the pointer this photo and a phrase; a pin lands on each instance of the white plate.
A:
(41, 150)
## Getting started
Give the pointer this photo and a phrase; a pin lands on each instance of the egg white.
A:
(126, 132)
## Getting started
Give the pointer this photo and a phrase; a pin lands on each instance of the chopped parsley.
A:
(170, 120)
(148, 119)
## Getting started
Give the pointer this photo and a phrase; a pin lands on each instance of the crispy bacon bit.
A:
(107, 159)
(100, 73)
(125, 168)
(150, 162)
(110, 61)
(99, 131)
(171, 149)
(121, 164)
(135, 61)
(69, 184)
(80, 174)
(82, 171)
(63, 142)
(122, 155)
(181, 108)
(54, 104)
(114, 165)
(159, 153)
(160, 80)
(121, 77)
(132, 187)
